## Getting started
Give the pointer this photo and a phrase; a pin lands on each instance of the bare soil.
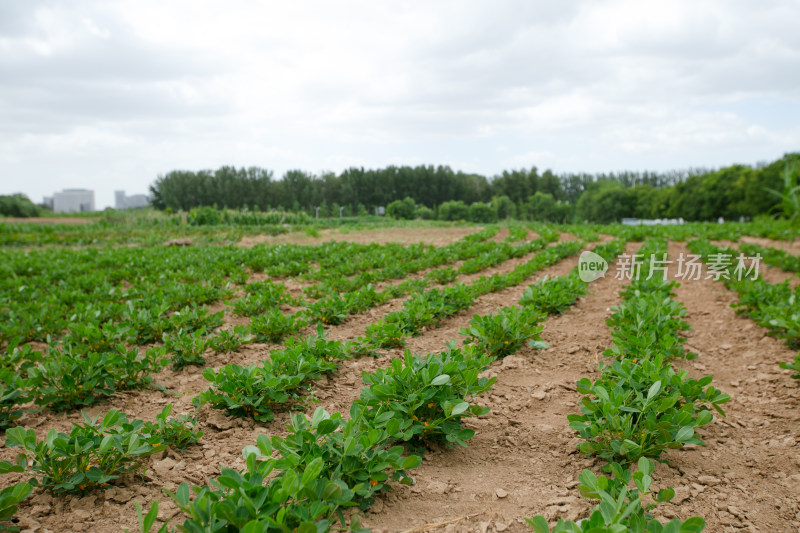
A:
(769, 273)
(787, 246)
(522, 460)
(435, 236)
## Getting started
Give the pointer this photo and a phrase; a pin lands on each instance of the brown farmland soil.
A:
(769, 273)
(522, 460)
(435, 236)
(792, 247)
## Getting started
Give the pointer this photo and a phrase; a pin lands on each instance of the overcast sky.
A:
(107, 94)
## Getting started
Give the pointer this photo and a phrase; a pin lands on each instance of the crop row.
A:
(47, 292)
(258, 389)
(103, 288)
(774, 306)
(773, 256)
(638, 407)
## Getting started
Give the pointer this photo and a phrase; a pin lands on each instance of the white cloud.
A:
(122, 91)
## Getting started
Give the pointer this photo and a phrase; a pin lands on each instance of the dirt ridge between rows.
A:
(747, 477)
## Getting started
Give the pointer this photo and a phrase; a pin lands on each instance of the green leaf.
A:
(6, 467)
(254, 526)
(539, 524)
(182, 494)
(459, 408)
(654, 389)
(694, 525)
(440, 380)
(264, 444)
(685, 433)
(106, 443)
(665, 495)
(312, 471)
(332, 491)
(307, 527)
(291, 482)
(704, 417)
(412, 461)
(150, 517)
(645, 466)
(392, 426)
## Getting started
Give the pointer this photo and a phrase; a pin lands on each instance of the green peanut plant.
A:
(177, 432)
(621, 508)
(273, 326)
(324, 466)
(554, 295)
(186, 347)
(9, 498)
(794, 365)
(428, 396)
(93, 454)
(14, 393)
(639, 409)
(66, 379)
(230, 340)
(504, 333)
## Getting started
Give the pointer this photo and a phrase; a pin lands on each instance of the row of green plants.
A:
(639, 407)
(48, 292)
(475, 253)
(334, 307)
(328, 466)
(65, 378)
(772, 256)
(258, 389)
(426, 309)
(92, 456)
(159, 291)
(340, 296)
(730, 231)
(773, 306)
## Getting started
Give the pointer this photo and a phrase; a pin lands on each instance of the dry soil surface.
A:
(435, 236)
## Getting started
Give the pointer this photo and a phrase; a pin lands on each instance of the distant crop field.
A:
(409, 377)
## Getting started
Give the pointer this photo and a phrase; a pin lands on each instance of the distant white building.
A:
(71, 201)
(128, 202)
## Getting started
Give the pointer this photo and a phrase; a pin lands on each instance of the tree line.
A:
(441, 192)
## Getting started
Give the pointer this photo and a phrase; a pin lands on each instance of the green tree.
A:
(401, 209)
(543, 207)
(604, 202)
(481, 212)
(504, 207)
(453, 210)
(17, 205)
(425, 213)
